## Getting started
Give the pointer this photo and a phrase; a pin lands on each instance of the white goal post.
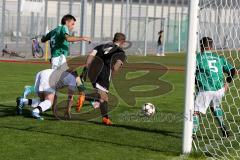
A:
(190, 76)
(216, 132)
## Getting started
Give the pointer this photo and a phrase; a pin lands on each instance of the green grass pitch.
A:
(159, 137)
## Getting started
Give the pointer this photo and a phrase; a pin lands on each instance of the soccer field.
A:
(131, 136)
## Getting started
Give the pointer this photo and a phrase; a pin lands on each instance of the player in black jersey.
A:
(100, 64)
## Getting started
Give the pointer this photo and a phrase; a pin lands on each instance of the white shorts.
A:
(98, 86)
(50, 80)
(58, 61)
(206, 98)
(42, 82)
(159, 49)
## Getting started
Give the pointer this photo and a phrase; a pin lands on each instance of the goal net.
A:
(220, 20)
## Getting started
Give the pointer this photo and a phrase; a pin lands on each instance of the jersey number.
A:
(212, 65)
(52, 41)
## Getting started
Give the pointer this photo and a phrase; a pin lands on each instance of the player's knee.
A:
(35, 102)
(196, 113)
(50, 97)
(104, 98)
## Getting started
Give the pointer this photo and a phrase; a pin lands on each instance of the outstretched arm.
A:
(89, 60)
(76, 39)
(55, 101)
(118, 65)
(117, 61)
(69, 105)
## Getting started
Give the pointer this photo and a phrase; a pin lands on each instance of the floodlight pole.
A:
(18, 21)
(83, 25)
(3, 23)
(164, 31)
(58, 11)
(190, 76)
(127, 18)
(102, 19)
(112, 17)
(145, 36)
(93, 18)
(70, 6)
(179, 33)
(121, 19)
(146, 30)
(45, 16)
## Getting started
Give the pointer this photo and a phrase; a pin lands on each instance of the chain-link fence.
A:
(140, 20)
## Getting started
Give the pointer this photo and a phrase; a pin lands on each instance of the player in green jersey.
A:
(59, 40)
(210, 83)
(59, 43)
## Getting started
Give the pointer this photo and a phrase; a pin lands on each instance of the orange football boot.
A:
(81, 99)
(106, 121)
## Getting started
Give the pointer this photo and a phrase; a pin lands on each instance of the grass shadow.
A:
(105, 141)
(7, 110)
(135, 128)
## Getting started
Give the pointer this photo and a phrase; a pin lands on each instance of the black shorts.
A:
(103, 79)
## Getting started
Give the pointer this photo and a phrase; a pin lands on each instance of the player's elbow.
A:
(70, 96)
(231, 74)
(43, 40)
(117, 66)
(70, 39)
(233, 71)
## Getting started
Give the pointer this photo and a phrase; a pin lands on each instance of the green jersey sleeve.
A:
(226, 65)
(64, 31)
(46, 37)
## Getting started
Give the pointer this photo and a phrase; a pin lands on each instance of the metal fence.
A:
(140, 20)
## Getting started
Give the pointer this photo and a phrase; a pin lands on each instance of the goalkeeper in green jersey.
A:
(211, 84)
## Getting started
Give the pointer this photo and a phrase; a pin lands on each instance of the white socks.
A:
(25, 101)
(33, 102)
(43, 106)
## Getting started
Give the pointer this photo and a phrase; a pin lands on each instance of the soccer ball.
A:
(148, 109)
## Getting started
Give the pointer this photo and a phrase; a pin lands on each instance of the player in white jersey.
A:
(47, 82)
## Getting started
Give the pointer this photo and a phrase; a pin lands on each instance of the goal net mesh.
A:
(220, 20)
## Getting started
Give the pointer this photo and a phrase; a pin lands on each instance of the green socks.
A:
(195, 123)
(218, 113)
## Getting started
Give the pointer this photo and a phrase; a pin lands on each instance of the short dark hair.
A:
(161, 31)
(67, 17)
(119, 36)
(206, 42)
